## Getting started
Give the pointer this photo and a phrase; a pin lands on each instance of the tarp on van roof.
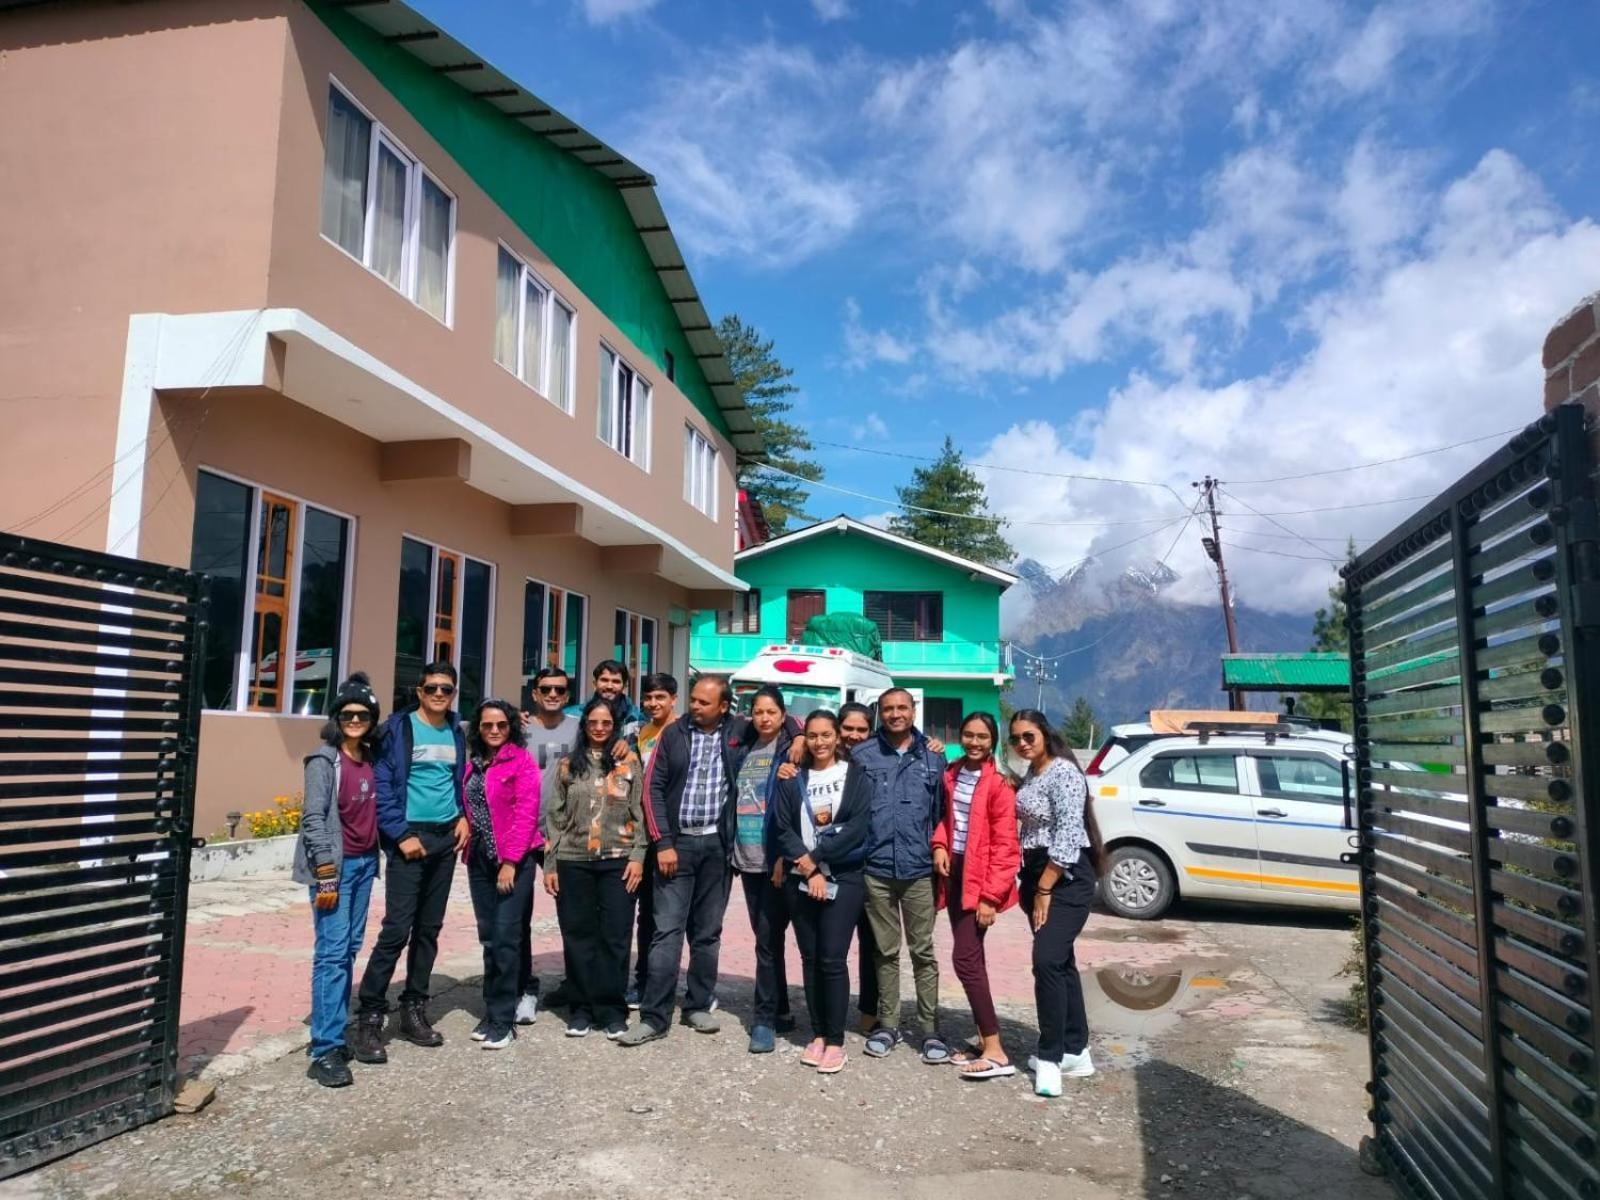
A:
(1178, 720)
(848, 631)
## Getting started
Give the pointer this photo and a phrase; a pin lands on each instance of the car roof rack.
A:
(1271, 732)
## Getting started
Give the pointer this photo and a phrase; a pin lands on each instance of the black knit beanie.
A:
(357, 690)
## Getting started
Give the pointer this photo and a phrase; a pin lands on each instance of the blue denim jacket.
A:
(908, 799)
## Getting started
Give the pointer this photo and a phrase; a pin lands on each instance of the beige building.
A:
(307, 297)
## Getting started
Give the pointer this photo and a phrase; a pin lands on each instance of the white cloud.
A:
(871, 428)
(831, 10)
(739, 149)
(864, 346)
(1441, 344)
(603, 12)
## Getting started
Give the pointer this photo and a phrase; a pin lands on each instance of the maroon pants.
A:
(972, 968)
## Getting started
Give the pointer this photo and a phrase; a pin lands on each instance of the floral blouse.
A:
(1050, 810)
(598, 815)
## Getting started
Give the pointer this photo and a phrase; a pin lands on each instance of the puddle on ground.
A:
(1129, 1006)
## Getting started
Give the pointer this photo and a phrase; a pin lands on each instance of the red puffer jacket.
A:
(993, 852)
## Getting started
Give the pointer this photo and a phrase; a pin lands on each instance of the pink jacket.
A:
(511, 786)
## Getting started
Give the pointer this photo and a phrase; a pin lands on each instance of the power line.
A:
(1237, 545)
(985, 466)
(1292, 532)
(1382, 462)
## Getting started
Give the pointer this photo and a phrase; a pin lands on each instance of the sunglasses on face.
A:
(439, 689)
(1024, 739)
(355, 716)
(552, 689)
(494, 726)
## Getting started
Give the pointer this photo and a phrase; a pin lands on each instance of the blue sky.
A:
(1141, 240)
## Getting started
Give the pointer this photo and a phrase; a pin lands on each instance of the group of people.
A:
(640, 820)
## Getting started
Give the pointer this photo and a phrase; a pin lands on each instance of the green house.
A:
(938, 613)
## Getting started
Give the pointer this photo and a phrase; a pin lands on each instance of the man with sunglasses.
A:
(422, 819)
(552, 732)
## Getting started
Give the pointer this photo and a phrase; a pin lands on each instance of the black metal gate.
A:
(99, 715)
(1473, 636)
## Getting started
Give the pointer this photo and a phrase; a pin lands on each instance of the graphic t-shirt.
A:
(358, 807)
(431, 784)
(824, 791)
(549, 746)
(749, 850)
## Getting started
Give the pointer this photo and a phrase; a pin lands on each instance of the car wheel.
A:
(1138, 883)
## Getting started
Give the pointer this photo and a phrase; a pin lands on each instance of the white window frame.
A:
(439, 548)
(546, 332)
(700, 456)
(241, 678)
(410, 256)
(638, 406)
(544, 624)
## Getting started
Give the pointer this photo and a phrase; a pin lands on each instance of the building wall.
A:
(267, 439)
(136, 175)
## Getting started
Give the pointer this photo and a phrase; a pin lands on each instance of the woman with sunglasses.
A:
(593, 864)
(819, 832)
(975, 858)
(1061, 854)
(337, 857)
(502, 802)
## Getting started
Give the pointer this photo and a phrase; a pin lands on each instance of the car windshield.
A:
(800, 700)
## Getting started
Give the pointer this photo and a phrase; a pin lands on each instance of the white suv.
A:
(1253, 813)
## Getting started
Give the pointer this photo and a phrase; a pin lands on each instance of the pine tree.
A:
(1081, 725)
(949, 487)
(1330, 635)
(766, 384)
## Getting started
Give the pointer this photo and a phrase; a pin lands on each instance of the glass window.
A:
(1192, 772)
(508, 279)
(411, 623)
(699, 471)
(572, 634)
(1300, 777)
(279, 565)
(941, 718)
(344, 174)
(744, 616)
(559, 385)
(533, 298)
(433, 249)
(634, 645)
(388, 228)
(324, 567)
(221, 549)
(477, 584)
(534, 596)
(382, 207)
(906, 616)
(624, 409)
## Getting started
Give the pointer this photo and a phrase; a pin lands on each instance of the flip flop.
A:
(962, 1057)
(988, 1070)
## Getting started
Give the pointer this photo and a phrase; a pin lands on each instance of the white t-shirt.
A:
(961, 807)
(824, 792)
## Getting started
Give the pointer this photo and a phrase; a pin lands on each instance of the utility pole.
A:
(1213, 546)
(1042, 672)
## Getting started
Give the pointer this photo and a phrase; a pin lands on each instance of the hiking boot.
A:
(330, 1070)
(414, 1025)
(366, 1039)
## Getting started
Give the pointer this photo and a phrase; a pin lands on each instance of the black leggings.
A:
(822, 929)
(1057, 990)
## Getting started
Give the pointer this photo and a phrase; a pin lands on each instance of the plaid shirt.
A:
(705, 790)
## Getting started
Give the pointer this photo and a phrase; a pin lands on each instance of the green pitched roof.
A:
(1287, 672)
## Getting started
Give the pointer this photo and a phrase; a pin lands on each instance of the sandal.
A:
(962, 1057)
(934, 1052)
(812, 1054)
(987, 1068)
(881, 1041)
(833, 1060)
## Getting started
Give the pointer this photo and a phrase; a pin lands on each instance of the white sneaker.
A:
(527, 1010)
(499, 1037)
(1047, 1079)
(1077, 1066)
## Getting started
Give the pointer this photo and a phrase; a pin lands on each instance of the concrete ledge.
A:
(238, 860)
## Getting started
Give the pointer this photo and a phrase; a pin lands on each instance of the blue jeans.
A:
(333, 960)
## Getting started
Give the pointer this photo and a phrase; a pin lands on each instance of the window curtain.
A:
(505, 322)
(608, 396)
(344, 173)
(389, 217)
(433, 252)
(560, 354)
(533, 333)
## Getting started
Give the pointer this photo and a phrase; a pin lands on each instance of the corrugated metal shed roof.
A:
(1286, 672)
(401, 25)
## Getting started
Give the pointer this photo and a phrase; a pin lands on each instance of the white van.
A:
(812, 677)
